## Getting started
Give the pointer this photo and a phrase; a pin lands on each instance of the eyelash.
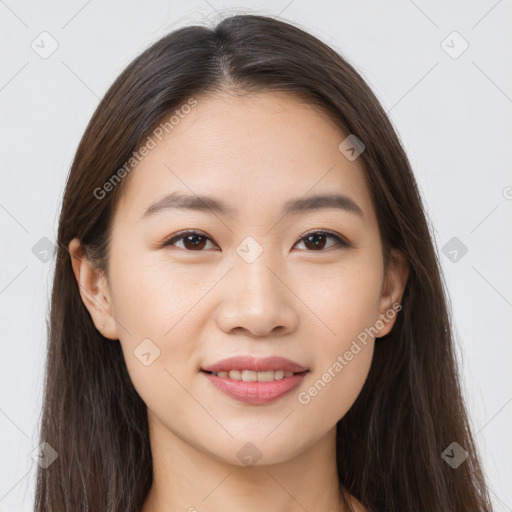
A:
(341, 241)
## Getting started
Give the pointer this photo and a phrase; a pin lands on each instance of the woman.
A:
(247, 310)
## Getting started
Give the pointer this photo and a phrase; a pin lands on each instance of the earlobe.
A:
(94, 291)
(392, 292)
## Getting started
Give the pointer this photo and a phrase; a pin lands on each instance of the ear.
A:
(93, 287)
(392, 291)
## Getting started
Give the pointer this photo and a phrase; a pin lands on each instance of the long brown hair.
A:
(390, 443)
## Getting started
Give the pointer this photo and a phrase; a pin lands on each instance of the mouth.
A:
(252, 376)
(255, 388)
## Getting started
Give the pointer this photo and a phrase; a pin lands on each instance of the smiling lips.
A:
(255, 381)
(250, 376)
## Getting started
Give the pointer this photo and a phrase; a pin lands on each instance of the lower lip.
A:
(255, 393)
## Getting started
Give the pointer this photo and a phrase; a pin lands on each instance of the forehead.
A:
(254, 152)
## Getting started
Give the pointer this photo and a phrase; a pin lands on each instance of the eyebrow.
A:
(178, 200)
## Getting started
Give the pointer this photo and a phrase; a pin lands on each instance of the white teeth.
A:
(265, 376)
(250, 376)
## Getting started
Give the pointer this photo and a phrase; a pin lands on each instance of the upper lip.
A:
(255, 364)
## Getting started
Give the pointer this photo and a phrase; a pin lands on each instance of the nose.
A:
(257, 300)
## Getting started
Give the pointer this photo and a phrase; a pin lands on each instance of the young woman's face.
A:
(254, 281)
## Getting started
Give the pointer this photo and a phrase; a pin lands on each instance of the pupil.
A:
(197, 242)
(317, 244)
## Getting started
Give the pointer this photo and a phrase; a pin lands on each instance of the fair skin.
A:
(198, 306)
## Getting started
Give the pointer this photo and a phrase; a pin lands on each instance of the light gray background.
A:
(453, 116)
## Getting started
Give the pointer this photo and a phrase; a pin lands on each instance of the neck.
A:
(188, 478)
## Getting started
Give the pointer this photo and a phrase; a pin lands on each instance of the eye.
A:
(315, 240)
(193, 240)
(196, 241)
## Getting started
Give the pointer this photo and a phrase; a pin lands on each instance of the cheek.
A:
(345, 298)
(156, 309)
(334, 387)
(341, 365)
(152, 295)
(347, 303)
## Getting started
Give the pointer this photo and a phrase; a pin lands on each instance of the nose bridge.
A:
(260, 290)
(256, 299)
